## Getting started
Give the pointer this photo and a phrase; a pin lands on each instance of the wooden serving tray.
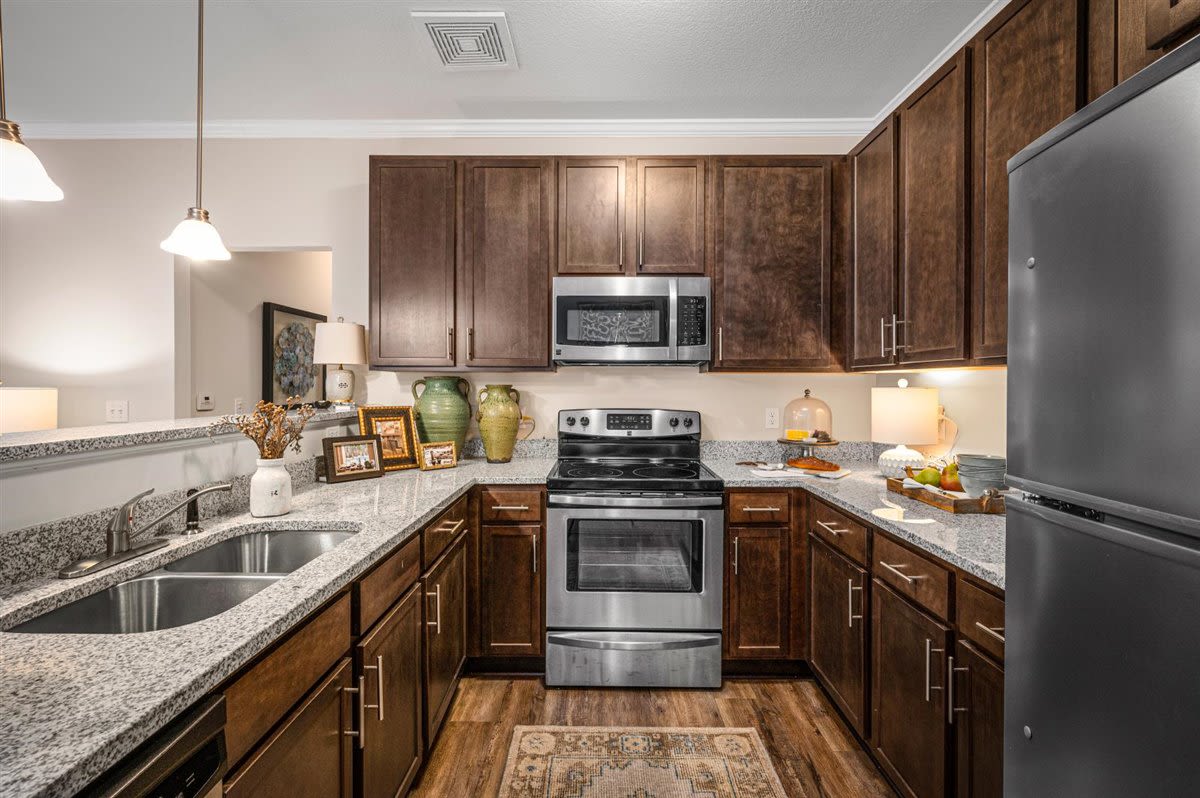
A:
(989, 506)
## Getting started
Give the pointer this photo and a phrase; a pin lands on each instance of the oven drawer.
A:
(633, 659)
(758, 508)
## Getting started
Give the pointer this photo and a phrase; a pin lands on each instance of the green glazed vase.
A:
(499, 416)
(441, 411)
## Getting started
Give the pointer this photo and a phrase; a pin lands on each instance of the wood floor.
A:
(812, 750)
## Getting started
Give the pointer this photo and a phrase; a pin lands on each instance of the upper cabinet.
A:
(1171, 21)
(591, 216)
(1027, 67)
(932, 319)
(873, 172)
(670, 216)
(771, 263)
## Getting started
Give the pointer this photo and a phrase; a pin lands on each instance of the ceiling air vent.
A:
(469, 39)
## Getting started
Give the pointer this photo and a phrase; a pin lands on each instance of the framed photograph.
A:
(287, 365)
(394, 426)
(353, 457)
(443, 454)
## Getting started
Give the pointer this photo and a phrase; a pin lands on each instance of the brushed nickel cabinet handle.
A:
(436, 595)
(641, 264)
(896, 570)
(993, 632)
(850, 602)
(454, 526)
(359, 693)
(720, 344)
(896, 346)
(512, 507)
(735, 556)
(450, 344)
(761, 510)
(950, 708)
(620, 242)
(831, 529)
(378, 668)
(929, 652)
(882, 339)
(470, 344)
(535, 557)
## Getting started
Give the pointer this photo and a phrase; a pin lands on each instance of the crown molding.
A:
(452, 128)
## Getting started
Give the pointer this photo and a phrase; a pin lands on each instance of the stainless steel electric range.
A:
(635, 535)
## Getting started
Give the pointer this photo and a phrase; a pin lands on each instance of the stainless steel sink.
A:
(267, 552)
(148, 603)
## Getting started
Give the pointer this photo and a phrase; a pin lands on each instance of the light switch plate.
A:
(116, 411)
(204, 401)
(239, 404)
(772, 420)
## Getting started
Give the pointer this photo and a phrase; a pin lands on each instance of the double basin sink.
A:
(198, 586)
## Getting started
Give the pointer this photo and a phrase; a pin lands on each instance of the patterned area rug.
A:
(618, 762)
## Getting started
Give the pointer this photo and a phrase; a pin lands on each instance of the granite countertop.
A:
(73, 705)
(974, 543)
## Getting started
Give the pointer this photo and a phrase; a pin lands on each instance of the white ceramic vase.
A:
(270, 489)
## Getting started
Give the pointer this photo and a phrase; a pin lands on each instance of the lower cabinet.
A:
(511, 568)
(445, 592)
(391, 737)
(758, 592)
(310, 753)
(978, 699)
(909, 727)
(837, 627)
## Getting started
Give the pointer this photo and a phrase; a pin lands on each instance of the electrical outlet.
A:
(204, 401)
(239, 404)
(772, 418)
(116, 411)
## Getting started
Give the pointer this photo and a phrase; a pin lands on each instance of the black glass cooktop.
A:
(643, 475)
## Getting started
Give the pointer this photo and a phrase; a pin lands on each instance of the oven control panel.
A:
(628, 423)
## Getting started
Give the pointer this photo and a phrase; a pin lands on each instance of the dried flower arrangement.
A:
(270, 426)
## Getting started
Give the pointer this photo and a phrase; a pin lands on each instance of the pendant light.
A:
(195, 237)
(22, 176)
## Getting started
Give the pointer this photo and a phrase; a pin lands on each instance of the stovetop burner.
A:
(633, 475)
(667, 472)
(588, 471)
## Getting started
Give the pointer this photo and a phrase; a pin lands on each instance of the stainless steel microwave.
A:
(632, 320)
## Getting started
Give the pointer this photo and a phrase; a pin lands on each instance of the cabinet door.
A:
(979, 723)
(759, 592)
(507, 217)
(771, 263)
(908, 707)
(591, 216)
(1116, 43)
(310, 753)
(873, 268)
(933, 218)
(670, 216)
(445, 588)
(837, 623)
(511, 568)
(1170, 21)
(412, 261)
(1026, 66)
(389, 658)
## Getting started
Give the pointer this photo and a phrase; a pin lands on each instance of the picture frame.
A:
(394, 426)
(353, 457)
(289, 335)
(437, 455)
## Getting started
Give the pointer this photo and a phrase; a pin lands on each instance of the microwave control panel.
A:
(693, 320)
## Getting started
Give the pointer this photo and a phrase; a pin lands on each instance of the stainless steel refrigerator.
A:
(1102, 658)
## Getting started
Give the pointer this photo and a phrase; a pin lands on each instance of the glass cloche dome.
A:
(807, 416)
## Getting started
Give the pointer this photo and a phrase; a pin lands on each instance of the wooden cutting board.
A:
(992, 506)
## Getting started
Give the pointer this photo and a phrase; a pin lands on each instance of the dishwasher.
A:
(186, 759)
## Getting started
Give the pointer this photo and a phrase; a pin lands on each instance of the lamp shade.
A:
(22, 176)
(196, 238)
(28, 409)
(340, 342)
(904, 415)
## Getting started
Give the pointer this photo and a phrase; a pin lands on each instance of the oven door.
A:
(635, 563)
(614, 319)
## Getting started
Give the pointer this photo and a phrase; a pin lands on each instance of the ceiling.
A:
(78, 65)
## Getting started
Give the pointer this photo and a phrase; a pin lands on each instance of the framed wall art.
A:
(287, 367)
(353, 457)
(394, 426)
(443, 454)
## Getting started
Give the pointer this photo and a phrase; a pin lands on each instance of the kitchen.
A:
(562, 292)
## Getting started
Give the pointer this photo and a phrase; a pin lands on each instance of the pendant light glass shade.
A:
(196, 238)
(22, 176)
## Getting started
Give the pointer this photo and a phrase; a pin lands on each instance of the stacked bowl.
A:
(979, 472)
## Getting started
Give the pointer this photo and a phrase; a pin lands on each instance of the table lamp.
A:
(903, 416)
(28, 409)
(340, 342)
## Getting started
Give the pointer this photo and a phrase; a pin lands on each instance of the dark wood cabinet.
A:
(837, 600)
(1026, 77)
(412, 263)
(758, 593)
(908, 702)
(389, 661)
(978, 719)
(445, 594)
(591, 216)
(771, 263)
(933, 201)
(669, 235)
(507, 224)
(873, 165)
(512, 562)
(1170, 21)
(309, 753)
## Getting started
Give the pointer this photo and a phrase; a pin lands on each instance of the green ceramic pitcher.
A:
(499, 416)
(441, 411)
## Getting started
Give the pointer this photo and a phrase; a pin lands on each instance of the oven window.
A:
(632, 556)
(605, 321)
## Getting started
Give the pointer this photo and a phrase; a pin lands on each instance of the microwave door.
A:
(599, 327)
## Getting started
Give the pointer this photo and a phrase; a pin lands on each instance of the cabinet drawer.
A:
(443, 531)
(839, 530)
(981, 618)
(912, 575)
(387, 582)
(754, 508)
(264, 693)
(510, 504)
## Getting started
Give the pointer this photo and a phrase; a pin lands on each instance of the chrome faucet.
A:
(120, 533)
